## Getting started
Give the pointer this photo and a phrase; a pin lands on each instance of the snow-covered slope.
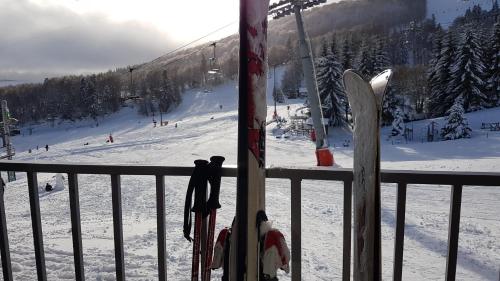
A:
(205, 129)
(447, 10)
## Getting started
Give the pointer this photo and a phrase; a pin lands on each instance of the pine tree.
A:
(433, 83)
(390, 105)
(365, 60)
(88, 96)
(494, 68)
(467, 74)
(456, 123)
(95, 107)
(398, 124)
(346, 55)
(381, 59)
(331, 90)
(437, 105)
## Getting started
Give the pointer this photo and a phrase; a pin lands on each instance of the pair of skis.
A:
(203, 173)
(366, 100)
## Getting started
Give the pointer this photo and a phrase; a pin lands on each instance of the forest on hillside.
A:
(434, 69)
(349, 34)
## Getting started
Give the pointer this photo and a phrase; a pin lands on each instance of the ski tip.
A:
(351, 76)
(379, 84)
(352, 73)
(353, 80)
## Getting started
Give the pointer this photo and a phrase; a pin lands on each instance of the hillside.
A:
(319, 21)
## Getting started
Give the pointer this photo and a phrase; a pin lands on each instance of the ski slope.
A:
(204, 129)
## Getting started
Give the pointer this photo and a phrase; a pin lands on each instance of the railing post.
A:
(400, 232)
(346, 261)
(4, 239)
(37, 226)
(76, 228)
(296, 206)
(453, 231)
(118, 227)
(160, 221)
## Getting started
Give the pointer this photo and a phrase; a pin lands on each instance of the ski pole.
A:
(214, 177)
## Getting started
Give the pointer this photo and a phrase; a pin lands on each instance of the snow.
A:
(204, 130)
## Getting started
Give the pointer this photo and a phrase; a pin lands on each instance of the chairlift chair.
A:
(214, 71)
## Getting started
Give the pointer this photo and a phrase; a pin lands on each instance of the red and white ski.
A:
(251, 137)
(366, 103)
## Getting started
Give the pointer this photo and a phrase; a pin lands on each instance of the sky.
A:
(48, 38)
(45, 38)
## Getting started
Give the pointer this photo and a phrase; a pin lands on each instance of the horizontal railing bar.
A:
(387, 176)
(310, 174)
(441, 177)
(111, 169)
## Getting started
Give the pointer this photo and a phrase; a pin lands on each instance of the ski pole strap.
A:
(195, 185)
(187, 211)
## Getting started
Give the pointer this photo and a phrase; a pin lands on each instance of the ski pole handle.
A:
(214, 178)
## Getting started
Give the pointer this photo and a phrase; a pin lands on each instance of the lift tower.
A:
(282, 9)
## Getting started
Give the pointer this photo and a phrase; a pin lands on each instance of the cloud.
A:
(38, 41)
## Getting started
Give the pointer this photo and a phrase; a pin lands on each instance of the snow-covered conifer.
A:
(346, 54)
(381, 59)
(364, 62)
(456, 126)
(389, 106)
(331, 90)
(494, 68)
(438, 103)
(433, 77)
(468, 74)
(398, 124)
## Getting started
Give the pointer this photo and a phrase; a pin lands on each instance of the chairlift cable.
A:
(196, 40)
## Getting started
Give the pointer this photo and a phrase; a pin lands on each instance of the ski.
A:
(214, 178)
(252, 111)
(366, 100)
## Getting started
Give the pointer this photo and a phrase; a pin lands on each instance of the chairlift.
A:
(214, 67)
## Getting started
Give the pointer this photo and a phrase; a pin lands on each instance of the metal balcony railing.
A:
(401, 178)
